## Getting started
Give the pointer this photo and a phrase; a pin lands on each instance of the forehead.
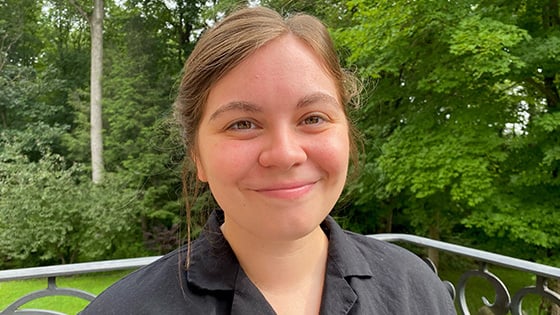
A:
(286, 66)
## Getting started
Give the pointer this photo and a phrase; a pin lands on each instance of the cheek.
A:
(227, 161)
(333, 153)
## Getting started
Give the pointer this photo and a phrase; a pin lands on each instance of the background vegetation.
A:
(460, 116)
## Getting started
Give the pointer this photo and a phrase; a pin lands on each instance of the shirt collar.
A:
(343, 252)
(213, 265)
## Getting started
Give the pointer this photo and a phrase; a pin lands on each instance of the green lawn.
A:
(93, 283)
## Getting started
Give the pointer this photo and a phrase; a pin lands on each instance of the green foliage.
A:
(486, 45)
(141, 142)
(460, 121)
(21, 96)
(19, 42)
(452, 159)
(49, 213)
(460, 116)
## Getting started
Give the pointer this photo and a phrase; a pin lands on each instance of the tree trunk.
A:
(433, 253)
(389, 222)
(96, 23)
(434, 233)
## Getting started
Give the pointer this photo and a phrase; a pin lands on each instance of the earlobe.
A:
(200, 173)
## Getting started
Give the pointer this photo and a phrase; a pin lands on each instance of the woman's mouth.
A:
(288, 191)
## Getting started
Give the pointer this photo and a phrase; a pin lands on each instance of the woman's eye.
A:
(313, 120)
(242, 125)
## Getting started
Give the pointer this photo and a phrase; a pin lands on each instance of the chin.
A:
(295, 228)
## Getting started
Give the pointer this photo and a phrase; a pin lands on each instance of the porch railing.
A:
(505, 302)
(52, 272)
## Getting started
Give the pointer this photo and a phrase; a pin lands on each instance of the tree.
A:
(95, 21)
(48, 212)
(450, 82)
(44, 100)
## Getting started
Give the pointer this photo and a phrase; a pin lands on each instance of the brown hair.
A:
(226, 45)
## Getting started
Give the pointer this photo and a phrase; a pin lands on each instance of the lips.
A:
(287, 191)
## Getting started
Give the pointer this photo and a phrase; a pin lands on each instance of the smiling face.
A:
(273, 143)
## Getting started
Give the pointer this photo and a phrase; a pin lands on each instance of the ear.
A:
(200, 173)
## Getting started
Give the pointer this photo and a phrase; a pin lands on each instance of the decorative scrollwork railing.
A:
(503, 303)
(52, 272)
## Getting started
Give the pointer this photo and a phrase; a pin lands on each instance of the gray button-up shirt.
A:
(364, 276)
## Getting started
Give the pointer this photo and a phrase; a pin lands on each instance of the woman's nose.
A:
(282, 150)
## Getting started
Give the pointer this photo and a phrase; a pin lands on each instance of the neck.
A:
(280, 266)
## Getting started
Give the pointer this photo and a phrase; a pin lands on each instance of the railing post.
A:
(52, 272)
(50, 290)
(503, 303)
(540, 289)
(501, 298)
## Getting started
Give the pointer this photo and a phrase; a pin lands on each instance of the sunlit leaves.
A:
(451, 160)
(486, 45)
(461, 118)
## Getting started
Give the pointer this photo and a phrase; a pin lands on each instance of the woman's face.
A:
(273, 143)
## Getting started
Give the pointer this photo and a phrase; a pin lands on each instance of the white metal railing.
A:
(52, 272)
(504, 303)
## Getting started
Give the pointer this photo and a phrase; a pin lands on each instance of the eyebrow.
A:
(318, 97)
(236, 105)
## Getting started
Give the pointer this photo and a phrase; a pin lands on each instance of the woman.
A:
(262, 105)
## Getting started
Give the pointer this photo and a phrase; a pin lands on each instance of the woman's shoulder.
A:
(161, 280)
(413, 285)
(357, 249)
(385, 255)
(167, 286)
(373, 247)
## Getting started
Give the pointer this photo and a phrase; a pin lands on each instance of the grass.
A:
(92, 283)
